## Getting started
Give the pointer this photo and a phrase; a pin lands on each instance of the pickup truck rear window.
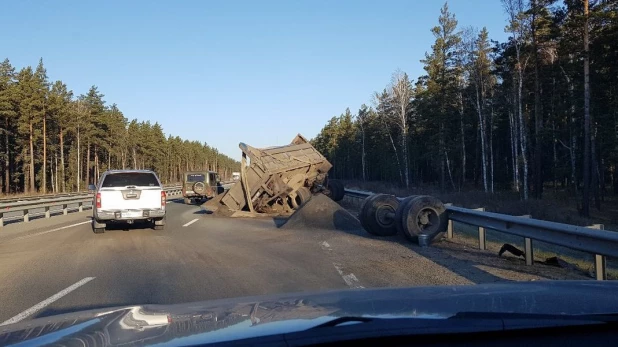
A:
(195, 178)
(123, 179)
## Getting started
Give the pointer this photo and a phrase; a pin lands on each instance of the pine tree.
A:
(8, 102)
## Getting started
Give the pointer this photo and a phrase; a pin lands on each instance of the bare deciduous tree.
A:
(515, 9)
(587, 150)
(401, 94)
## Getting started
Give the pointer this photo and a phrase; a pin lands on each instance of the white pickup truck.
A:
(127, 196)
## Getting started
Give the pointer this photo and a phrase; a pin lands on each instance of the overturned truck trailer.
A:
(279, 179)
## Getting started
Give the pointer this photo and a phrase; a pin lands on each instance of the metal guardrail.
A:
(25, 210)
(15, 199)
(591, 239)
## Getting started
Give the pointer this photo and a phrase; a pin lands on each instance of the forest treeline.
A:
(54, 141)
(539, 111)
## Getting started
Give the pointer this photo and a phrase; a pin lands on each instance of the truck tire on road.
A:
(337, 191)
(378, 215)
(98, 228)
(303, 194)
(399, 219)
(423, 215)
(158, 224)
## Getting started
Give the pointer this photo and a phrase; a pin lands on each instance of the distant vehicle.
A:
(236, 176)
(200, 185)
(126, 196)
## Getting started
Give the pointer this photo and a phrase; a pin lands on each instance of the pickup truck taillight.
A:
(162, 198)
(98, 201)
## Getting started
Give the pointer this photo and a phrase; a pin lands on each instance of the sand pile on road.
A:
(214, 206)
(322, 213)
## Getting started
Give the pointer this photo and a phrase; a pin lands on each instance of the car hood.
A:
(231, 319)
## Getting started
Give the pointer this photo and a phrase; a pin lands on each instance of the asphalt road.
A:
(57, 265)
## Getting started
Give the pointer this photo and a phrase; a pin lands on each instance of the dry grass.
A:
(582, 261)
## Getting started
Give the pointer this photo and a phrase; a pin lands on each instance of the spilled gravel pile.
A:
(322, 213)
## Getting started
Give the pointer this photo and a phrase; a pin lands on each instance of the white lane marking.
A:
(349, 279)
(46, 302)
(191, 222)
(325, 246)
(51, 231)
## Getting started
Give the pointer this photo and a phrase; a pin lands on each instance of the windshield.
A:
(124, 179)
(196, 178)
(182, 152)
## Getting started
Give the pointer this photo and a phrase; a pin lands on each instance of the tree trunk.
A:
(44, 183)
(363, 165)
(522, 127)
(513, 151)
(96, 165)
(477, 156)
(586, 174)
(394, 150)
(32, 186)
(614, 178)
(87, 162)
(448, 167)
(79, 160)
(491, 148)
(572, 131)
(7, 169)
(538, 116)
(56, 186)
(404, 144)
(463, 140)
(51, 176)
(594, 169)
(555, 159)
(482, 135)
(62, 160)
(443, 159)
(134, 158)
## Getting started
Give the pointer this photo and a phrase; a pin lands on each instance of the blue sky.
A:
(226, 72)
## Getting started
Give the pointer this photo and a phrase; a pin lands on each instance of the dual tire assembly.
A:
(336, 191)
(386, 215)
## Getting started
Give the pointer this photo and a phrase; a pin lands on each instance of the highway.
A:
(56, 265)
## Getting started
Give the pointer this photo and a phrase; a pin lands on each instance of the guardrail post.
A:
(449, 228)
(47, 213)
(528, 249)
(26, 215)
(600, 265)
(80, 206)
(65, 209)
(482, 237)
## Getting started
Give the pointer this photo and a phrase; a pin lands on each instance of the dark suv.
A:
(200, 185)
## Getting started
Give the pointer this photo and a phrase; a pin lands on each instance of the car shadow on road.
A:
(126, 227)
(202, 211)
